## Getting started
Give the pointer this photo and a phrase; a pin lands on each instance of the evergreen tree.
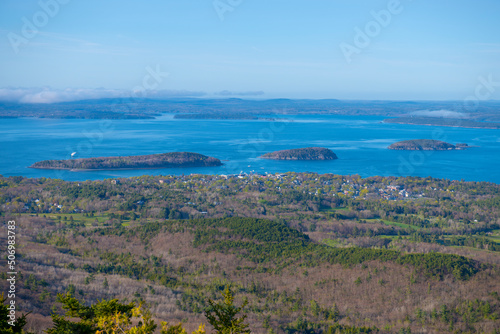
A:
(223, 315)
(5, 327)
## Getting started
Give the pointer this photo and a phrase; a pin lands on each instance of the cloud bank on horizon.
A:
(49, 95)
(443, 113)
(229, 93)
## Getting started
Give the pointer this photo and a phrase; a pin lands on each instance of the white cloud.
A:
(230, 93)
(440, 113)
(48, 95)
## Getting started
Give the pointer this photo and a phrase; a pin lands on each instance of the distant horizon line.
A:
(49, 95)
(174, 98)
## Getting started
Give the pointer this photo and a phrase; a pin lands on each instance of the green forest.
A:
(163, 160)
(277, 253)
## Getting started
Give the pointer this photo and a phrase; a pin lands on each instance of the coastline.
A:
(446, 125)
(105, 169)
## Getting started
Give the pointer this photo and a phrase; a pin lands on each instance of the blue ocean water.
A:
(360, 142)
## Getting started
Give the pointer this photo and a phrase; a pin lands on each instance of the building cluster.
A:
(307, 183)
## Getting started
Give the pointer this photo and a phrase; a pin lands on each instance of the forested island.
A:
(426, 145)
(163, 160)
(440, 121)
(308, 153)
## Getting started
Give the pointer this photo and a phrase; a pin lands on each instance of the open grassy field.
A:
(390, 223)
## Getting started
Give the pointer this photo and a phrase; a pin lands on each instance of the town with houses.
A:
(323, 185)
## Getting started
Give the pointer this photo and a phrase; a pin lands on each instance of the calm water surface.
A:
(359, 141)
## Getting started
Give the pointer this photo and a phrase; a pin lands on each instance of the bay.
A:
(360, 142)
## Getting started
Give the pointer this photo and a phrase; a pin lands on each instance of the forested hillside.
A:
(309, 253)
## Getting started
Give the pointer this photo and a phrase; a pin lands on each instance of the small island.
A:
(426, 145)
(163, 160)
(308, 153)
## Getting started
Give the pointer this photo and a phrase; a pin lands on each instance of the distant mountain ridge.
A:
(148, 108)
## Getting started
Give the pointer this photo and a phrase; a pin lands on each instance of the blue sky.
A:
(426, 49)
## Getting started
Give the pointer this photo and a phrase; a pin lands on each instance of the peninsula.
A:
(308, 153)
(225, 116)
(426, 145)
(216, 116)
(439, 121)
(163, 160)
